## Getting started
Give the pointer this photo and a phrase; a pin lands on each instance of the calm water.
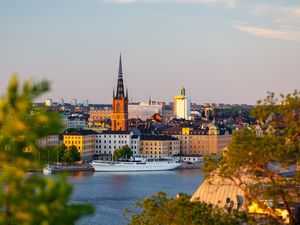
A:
(111, 193)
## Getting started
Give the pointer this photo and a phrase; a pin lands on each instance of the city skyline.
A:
(219, 50)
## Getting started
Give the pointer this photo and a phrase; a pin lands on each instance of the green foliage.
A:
(30, 199)
(68, 155)
(124, 152)
(160, 210)
(250, 155)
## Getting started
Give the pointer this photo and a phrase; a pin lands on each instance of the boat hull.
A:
(133, 166)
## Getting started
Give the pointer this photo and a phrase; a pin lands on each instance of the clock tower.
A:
(119, 117)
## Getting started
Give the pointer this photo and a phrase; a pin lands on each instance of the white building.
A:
(85, 103)
(49, 102)
(74, 102)
(143, 110)
(60, 101)
(108, 141)
(182, 105)
(77, 121)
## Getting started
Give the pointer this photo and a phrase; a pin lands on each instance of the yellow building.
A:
(157, 146)
(83, 140)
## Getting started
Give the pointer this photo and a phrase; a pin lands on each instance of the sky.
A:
(223, 51)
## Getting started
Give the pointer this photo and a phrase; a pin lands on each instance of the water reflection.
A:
(135, 173)
(112, 192)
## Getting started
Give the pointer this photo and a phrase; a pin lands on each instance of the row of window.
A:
(110, 136)
(155, 153)
(109, 152)
(114, 147)
(171, 148)
(105, 141)
(159, 143)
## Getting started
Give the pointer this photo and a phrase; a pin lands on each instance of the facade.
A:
(99, 115)
(77, 121)
(119, 116)
(83, 140)
(60, 101)
(201, 142)
(73, 102)
(143, 111)
(157, 146)
(189, 158)
(49, 102)
(49, 141)
(108, 141)
(182, 106)
(85, 103)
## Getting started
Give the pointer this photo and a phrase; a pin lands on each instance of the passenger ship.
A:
(138, 164)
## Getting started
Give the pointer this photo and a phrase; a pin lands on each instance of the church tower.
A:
(119, 117)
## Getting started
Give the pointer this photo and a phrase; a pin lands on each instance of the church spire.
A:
(120, 86)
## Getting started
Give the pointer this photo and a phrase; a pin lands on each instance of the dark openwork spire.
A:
(120, 87)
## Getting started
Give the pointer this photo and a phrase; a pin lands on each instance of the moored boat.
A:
(134, 165)
(47, 170)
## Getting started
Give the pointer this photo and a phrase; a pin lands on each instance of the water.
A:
(111, 193)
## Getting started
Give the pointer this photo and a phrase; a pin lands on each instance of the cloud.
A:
(282, 34)
(228, 3)
(294, 11)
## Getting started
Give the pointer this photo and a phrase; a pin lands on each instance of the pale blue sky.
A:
(230, 51)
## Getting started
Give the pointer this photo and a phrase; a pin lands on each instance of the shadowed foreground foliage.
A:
(160, 210)
(29, 199)
(253, 154)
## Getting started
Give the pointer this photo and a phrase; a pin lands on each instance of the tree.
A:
(117, 154)
(30, 199)
(68, 155)
(250, 158)
(71, 155)
(124, 152)
(160, 210)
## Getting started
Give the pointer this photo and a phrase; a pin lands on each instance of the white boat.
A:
(47, 170)
(135, 165)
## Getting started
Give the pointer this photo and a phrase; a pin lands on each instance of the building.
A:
(157, 146)
(143, 110)
(97, 115)
(208, 141)
(182, 105)
(60, 101)
(49, 102)
(108, 141)
(100, 119)
(85, 103)
(49, 141)
(73, 102)
(83, 140)
(77, 121)
(119, 116)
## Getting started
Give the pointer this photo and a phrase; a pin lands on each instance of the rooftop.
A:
(80, 132)
(115, 132)
(158, 138)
